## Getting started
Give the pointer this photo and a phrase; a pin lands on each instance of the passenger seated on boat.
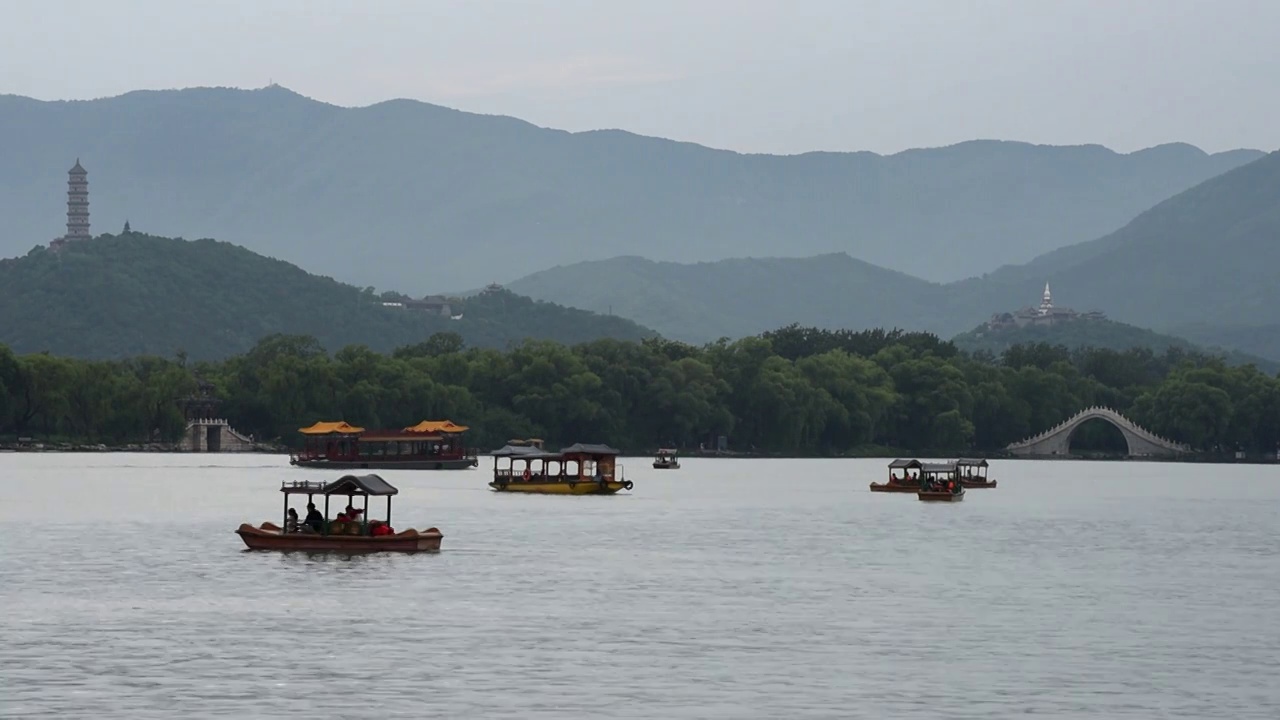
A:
(314, 520)
(291, 521)
(378, 528)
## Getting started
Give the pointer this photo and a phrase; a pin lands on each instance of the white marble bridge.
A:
(1056, 441)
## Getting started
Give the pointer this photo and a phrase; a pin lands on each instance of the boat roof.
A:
(345, 485)
(524, 451)
(938, 467)
(436, 426)
(904, 463)
(589, 449)
(972, 462)
(302, 487)
(360, 485)
(323, 427)
(397, 435)
(667, 451)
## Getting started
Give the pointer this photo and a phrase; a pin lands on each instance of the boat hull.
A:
(940, 496)
(666, 466)
(978, 483)
(269, 537)
(894, 488)
(586, 487)
(377, 464)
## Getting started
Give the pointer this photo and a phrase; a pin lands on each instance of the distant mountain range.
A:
(134, 294)
(1202, 264)
(732, 298)
(421, 198)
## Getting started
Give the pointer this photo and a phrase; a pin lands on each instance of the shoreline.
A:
(165, 448)
(174, 449)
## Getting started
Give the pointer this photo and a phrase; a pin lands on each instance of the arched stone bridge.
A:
(1056, 441)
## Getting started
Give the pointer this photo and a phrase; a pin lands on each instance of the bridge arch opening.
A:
(1098, 436)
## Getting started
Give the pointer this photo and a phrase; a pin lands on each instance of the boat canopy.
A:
(971, 462)
(522, 451)
(901, 463)
(360, 485)
(666, 451)
(329, 428)
(373, 436)
(589, 449)
(436, 426)
(938, 467)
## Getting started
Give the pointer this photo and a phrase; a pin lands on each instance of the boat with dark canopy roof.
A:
(973, 473)
(665, 459)
(903, 482)
(940, 483)
(580, 469)
(350, 532)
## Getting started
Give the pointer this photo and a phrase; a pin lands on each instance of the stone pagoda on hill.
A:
(77, 206)
(1046, 314)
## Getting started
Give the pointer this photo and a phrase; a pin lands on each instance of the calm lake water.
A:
(726, 589)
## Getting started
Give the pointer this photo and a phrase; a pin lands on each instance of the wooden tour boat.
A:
(666, 459)
(345, 533)
(580, 469)
(973, 473)
(940, 482)
(904, 483)
(429, 445)
(942, 495)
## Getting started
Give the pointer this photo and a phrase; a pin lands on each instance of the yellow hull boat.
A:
(580, 469)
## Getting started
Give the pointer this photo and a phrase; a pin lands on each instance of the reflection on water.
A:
(727, 589)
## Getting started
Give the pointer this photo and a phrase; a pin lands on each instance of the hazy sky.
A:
(751, 75)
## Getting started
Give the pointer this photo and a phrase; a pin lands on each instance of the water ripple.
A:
(1110, 590)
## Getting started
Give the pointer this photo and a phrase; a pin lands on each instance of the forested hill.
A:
(460, 200)
(134, 294)
(1100, 334)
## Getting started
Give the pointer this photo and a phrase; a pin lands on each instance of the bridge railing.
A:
(1105, 412)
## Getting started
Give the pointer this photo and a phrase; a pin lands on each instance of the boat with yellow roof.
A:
(429, 445)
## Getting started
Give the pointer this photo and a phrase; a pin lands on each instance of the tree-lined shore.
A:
(793, 391)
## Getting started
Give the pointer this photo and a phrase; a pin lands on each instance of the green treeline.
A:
(791, 391)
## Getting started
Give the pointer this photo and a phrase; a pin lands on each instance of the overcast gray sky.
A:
(751, 75)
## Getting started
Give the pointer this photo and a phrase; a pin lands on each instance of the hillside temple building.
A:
(77, 206)
(1046, 314)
